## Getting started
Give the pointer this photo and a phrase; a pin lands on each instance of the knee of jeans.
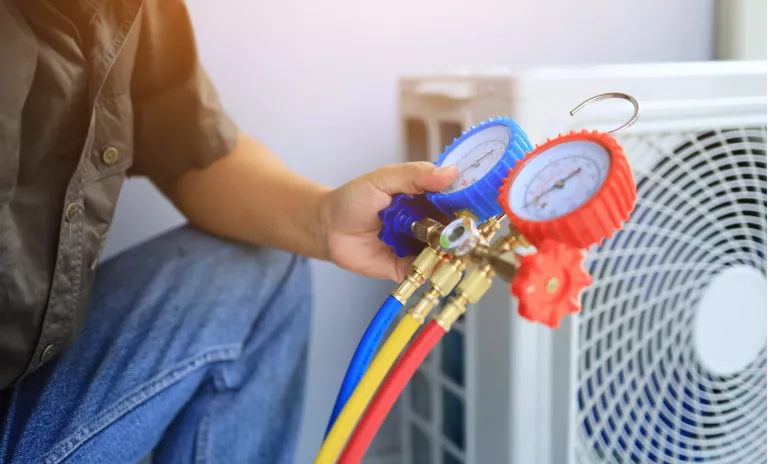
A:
(277, 278)
(219, 282)
(249, 271)
(275, 347)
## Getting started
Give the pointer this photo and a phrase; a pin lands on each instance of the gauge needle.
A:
(558, 185)
(476, 163)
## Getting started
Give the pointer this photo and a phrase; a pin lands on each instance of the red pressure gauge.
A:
(577, 189)
(566, 195)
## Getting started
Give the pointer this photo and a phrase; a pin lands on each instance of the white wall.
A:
(317, 82)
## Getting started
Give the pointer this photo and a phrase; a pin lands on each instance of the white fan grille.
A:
(643, 395)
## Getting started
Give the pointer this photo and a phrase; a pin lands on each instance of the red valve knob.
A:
(549, 283)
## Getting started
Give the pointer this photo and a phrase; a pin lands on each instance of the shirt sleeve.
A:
(179, 123)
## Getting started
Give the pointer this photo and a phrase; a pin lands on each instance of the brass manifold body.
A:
(489, 260)
(444, 269)
(499, 255)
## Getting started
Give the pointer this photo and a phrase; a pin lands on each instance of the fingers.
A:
(397, 268)
(382, 263)
(412, 178)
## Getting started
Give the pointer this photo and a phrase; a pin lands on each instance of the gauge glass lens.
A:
(559, 180)
(476, 155)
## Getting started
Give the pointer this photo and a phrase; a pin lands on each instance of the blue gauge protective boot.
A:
(480, 196)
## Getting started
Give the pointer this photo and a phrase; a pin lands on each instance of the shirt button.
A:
(110, 156)
(71, 212)
(46, 354)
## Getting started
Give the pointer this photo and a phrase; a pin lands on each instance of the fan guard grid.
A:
(642, 394)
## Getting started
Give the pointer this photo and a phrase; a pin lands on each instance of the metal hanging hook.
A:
(604, 96)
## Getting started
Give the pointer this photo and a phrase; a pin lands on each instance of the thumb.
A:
(412, 178)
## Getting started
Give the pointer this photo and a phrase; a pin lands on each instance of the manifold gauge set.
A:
(559, 198)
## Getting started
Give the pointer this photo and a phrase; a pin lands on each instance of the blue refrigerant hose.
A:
(364, 354)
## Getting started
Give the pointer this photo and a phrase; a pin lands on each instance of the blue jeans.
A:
(194, 350)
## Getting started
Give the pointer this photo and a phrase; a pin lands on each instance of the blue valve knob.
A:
(397, 219)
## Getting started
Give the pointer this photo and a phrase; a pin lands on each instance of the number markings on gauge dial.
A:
(559, 180)
(476, 156)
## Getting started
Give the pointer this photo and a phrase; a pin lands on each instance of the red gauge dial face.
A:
(559, 180)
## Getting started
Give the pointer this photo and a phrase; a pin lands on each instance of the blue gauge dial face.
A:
(559, 180)
(476, 155)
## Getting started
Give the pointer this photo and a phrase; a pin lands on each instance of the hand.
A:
(350, 216)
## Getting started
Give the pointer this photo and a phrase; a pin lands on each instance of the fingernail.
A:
(442, 169)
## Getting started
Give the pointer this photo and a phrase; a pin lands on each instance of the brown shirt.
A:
(90, 91)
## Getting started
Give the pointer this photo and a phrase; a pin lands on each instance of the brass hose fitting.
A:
(465, 213)
(487, 230)
(428, 230)
(516, 239)
(423, 266)
(469, 290)
(442, 283)
(505, 264)
(502, 257)
(506, 244)
(490, 226)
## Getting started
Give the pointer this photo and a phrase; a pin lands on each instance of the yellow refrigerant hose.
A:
(365, 390)
(442, 282)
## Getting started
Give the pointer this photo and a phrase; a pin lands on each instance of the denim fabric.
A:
(194, 348)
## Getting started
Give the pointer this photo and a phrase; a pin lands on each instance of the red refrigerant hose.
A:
(389, 392)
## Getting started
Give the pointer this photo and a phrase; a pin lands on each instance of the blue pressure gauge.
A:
(483, 155)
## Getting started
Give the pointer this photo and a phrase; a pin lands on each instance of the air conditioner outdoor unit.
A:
(667, 360)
